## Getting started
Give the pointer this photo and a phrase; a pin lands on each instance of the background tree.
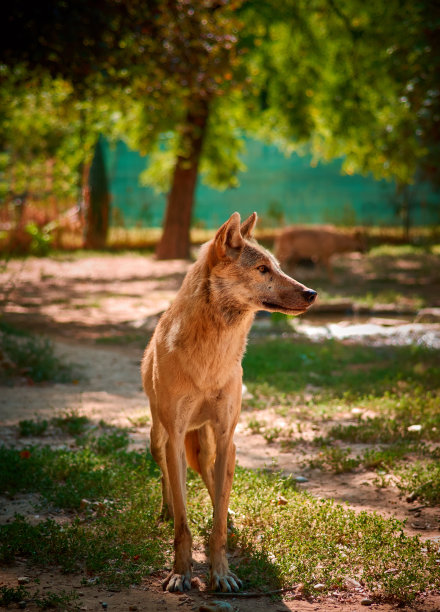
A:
(97, 201)
(172, 58)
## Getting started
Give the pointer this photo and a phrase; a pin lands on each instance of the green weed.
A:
(9, 595)
(398, 413)
(29, 427)
(421, 480)
(62, 601)
(141, 420)
(385, 458)
(109, 443)
(71, 423)
(31, 356)
(271, 434)
(124, 484)
(335, 459)
(256, 426)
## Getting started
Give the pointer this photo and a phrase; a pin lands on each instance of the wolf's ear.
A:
(247, 227)
(228, 240)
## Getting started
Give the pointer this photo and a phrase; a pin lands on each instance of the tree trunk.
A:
(97, 202)
(175, 241)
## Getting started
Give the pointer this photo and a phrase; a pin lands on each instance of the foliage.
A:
(41, 240)
(348, 78)
(48, 134)
(311, 541)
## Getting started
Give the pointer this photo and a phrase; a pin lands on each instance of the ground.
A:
(100, 311)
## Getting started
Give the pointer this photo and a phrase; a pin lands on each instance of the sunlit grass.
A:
(387, 397)
(338, 370)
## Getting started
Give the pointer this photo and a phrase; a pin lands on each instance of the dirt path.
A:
(116, 299)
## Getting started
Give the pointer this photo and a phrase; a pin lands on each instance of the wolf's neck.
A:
(214, 303)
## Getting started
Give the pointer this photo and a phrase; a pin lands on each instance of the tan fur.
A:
(318, 244)
(192, 373)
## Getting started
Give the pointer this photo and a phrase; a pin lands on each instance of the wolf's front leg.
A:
(221, 577)
(179, 578)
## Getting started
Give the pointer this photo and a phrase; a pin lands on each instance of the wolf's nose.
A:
(310, 295)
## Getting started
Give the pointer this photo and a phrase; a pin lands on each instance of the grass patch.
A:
(341, 370)
(384, 396)
(118, 538)
(25, 354)
(399, 413)
(309, 541)
(115, 536)
(399, 250)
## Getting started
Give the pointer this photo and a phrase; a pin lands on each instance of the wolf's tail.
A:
(192, 448)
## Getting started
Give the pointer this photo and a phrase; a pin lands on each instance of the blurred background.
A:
(130, 130)
(129, 123)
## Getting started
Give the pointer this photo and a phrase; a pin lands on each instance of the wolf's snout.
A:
(309, 295)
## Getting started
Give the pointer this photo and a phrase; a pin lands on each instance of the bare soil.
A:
(100, 311)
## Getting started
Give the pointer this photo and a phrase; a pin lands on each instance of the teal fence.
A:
(281, 189)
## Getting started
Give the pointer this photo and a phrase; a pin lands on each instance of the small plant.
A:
(288, 445)
(255, 426)
(141, 420)
(32, 428)
(271, 434)
(421, 481)
(41, 240)
(9, 595)
(71, 423)
(31, 356)
(64, 601)
(335, 459)
(114, 441)
(386, 458)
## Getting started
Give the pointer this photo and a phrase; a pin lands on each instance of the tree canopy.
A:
(185, 80)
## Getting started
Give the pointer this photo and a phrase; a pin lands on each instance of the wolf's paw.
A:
(177, 582)
(227, 582)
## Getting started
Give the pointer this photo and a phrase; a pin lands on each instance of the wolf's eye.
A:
(263, 269)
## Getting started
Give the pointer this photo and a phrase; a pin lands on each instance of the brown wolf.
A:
(318, 244)
(192, 373)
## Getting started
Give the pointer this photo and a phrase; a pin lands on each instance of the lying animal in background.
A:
(192, 374)
(317, 244)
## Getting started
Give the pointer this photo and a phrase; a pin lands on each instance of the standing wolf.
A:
(192, 374)
(316, 243)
